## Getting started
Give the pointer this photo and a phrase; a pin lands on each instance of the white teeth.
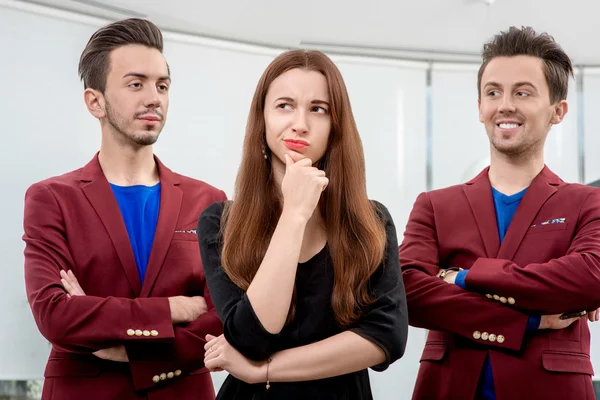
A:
(508, 126)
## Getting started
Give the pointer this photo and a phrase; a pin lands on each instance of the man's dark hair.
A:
(94, 63)
(526, 42)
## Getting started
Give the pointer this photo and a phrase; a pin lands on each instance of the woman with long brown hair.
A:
(302, 267)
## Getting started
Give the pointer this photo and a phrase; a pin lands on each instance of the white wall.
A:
(46, 131)
(459, 140)
(591, 105)
(591, 81)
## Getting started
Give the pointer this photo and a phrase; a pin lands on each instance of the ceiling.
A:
(409, 29)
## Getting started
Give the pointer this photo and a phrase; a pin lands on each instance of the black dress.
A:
(384, 322)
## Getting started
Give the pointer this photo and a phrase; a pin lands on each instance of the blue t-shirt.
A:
(139, 207)
(506, 206)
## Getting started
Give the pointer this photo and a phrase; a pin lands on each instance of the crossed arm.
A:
(549, 321)
(562, 285)
(438, 306)
(183, 309)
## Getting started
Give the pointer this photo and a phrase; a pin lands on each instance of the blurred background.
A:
(410, 68)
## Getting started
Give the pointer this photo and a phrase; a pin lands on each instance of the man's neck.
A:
(128, 166)
(510, 175)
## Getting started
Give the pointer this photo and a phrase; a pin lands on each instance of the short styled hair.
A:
(526, 42)
(94, 63)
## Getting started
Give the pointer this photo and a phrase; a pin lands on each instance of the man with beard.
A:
(504, 269)
(112, 265)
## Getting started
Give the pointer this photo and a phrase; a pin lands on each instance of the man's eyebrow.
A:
(144, 76)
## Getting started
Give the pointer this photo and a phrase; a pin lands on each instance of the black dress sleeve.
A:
(385, 321)
(241, 327)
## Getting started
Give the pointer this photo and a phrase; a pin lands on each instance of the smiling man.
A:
(112, 265)
(504, 270)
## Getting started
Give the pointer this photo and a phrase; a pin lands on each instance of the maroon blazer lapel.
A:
(539, 191)
(97, 190)
(171, 197)
(479, 195)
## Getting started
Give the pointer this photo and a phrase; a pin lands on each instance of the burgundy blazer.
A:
(73, 222)
(548, 263)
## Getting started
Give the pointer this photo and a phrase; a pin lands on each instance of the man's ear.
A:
(560, 110)
(94, 101)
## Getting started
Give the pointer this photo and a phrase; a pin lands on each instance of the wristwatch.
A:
(446, 270)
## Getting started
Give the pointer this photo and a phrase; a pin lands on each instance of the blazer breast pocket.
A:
(188, 236)
(548, 241)
(542, 228)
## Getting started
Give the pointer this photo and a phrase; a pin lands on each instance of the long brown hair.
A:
(356, 235)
